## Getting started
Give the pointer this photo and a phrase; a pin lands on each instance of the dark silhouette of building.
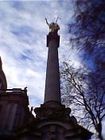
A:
(52, 120)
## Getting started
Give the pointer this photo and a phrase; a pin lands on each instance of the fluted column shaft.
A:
(52, 85)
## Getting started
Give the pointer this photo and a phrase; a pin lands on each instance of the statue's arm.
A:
(47, 22)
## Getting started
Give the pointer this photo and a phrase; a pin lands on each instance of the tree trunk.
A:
(99, 130)
(100, 137)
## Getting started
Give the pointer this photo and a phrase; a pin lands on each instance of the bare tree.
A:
(82, 88)
(85, 91)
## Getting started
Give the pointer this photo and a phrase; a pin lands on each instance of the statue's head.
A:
(54, 27)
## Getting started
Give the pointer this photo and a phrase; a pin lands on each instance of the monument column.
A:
(53, 120)
(52, 107)
(52, 85)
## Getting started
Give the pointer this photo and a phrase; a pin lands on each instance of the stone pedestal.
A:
(54, 122)
(53, 111)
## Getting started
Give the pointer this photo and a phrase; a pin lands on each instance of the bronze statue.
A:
(54, 27)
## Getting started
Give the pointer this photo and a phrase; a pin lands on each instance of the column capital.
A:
(53, 36)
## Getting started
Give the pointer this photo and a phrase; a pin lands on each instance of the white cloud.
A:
(23, 42)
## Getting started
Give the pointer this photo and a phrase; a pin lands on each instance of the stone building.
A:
(53, 120)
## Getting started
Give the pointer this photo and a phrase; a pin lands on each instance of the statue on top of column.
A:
(54, 27)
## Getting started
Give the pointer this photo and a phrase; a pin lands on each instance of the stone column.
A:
(52, 85)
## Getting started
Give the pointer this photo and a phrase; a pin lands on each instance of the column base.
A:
(53, 111)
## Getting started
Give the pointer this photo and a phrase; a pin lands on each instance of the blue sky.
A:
(23, 42)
